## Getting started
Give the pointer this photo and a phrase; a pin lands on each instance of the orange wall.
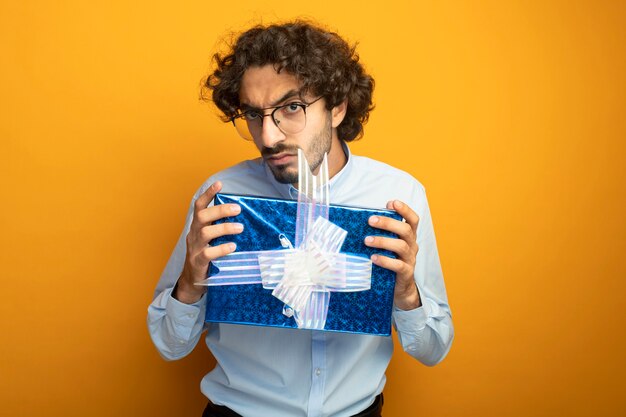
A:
(511, 113)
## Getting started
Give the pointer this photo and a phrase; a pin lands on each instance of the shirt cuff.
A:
(410, 320)
(410, 325)
(184, 316)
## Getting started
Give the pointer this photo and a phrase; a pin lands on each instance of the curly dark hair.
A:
(324, 64)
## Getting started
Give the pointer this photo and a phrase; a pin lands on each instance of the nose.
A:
(270, 133)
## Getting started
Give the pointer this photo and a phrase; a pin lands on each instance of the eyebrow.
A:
(289, 94)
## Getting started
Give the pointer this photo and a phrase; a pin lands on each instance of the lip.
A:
(281, 158)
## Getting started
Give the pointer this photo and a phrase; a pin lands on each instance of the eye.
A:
(292, 107)
(251, 115)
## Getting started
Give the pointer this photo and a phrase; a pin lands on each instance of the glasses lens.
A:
(248, 128)
(290, 119)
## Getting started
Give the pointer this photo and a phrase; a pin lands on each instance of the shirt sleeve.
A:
(426, 333)
(175, 327)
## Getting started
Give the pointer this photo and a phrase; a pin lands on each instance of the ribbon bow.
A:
(302, 277)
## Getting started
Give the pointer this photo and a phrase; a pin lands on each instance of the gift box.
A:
(268, 224)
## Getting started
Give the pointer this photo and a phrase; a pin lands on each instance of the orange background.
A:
(511, 113)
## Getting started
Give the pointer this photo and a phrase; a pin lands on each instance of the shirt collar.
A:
(289, 192)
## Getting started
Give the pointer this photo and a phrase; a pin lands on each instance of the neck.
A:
(337, 159)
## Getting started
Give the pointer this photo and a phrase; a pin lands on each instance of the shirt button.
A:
(318, 371)
(190, 315)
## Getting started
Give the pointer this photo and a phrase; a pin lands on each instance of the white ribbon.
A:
(302, 277)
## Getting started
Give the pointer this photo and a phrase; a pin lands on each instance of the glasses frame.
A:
(262, 115)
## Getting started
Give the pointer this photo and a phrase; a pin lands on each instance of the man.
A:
(286, 87)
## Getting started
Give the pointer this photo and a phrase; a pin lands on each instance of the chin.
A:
(285, 175)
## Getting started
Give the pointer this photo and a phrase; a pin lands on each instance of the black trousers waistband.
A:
(212, 410)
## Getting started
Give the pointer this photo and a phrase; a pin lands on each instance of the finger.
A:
(402, 229)
(206, 197)
(405, 211)
(395, 265)
(210, 253)
(210, 214)
(397, 246)
(208, 233)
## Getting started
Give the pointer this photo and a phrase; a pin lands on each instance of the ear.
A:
(338, 113)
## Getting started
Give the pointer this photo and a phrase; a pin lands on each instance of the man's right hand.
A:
(201, 233)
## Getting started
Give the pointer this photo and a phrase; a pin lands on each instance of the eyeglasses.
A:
(290, 118)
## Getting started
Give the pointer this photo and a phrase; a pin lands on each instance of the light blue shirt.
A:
(266, 371)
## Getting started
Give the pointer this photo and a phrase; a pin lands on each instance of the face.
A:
(263, 87)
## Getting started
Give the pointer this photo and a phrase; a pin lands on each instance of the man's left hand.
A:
(406, 296)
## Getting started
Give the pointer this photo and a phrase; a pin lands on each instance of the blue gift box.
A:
(264, 219)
